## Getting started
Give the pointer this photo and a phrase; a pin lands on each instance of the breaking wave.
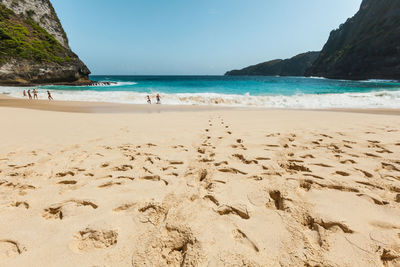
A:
(376, 99)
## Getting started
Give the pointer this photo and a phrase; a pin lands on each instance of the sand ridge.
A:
(231, 188)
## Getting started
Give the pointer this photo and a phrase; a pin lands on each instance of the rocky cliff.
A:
(295, 66)
(367, 46)
(34, 47)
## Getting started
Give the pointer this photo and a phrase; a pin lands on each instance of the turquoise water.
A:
(292, 92)
(257, 86)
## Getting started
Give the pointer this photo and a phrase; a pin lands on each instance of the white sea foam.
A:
(376, 99)
(315, 77)
(122, 83)
(379, 81)
(103, 84)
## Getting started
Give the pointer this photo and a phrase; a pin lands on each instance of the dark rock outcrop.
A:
(295, 66)
(34, 47)
(367, 46)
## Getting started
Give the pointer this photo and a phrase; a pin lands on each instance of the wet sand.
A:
(102, 107)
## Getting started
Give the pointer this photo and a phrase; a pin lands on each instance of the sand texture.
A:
(220, 188)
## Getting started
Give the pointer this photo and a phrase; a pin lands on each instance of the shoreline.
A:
(99, 107)
(106, 107)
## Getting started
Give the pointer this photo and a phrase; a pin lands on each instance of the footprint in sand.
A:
(123, 168)
(278, 199)
(168, 246)
(21, 187)
(293, 167)
(238, 209)
(20, 204)
(175, 162)
(372, 155)
(151, 178)
(272, 145)
(212, 198)
(332, 226)
(125, 207)
(10, 249)
(63, 174)
(262, 158)
(243, 159)
(342, 173)
(68, 182)
(152, 213)
(314, 176)
(322, 165)
(126, 177)
(367, 174)
(374, 200)
(232, 170)
(384, 150)
(217, 164)
(109, 184)
(348, 161)
(241, 237)
(91, 239)
(105, 165)
(15, 167)
(273, 135)
(68, 208)
(389, 167)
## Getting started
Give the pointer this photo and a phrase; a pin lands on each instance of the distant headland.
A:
(295, 66)
(364, 47)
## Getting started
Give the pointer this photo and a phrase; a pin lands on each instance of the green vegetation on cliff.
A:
(22, 38)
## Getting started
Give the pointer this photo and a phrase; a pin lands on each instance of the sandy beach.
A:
(99, 184)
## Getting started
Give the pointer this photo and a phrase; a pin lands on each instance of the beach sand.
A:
(204, 187)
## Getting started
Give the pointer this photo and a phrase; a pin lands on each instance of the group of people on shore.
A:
(35, 94)
(158, 98)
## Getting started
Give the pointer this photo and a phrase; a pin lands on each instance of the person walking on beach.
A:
(29, 94)
(49, 95)
(24, 93)
(158, 99)
(35, 94)
(148, 100)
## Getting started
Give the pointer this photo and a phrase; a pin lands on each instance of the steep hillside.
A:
(42, 12)
(35, 54)
(295, 66)
(367, 46)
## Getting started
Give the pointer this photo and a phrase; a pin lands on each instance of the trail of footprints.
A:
(281, 160)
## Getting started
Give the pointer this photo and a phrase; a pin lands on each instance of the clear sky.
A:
(183, 37)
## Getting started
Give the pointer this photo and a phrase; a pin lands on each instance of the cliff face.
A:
(34, 47)
(42, 12)
(367, 46)
(295, 66)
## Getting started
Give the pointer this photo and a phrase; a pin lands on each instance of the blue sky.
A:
(183, 37)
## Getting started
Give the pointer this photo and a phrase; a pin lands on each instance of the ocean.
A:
(263, 92)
